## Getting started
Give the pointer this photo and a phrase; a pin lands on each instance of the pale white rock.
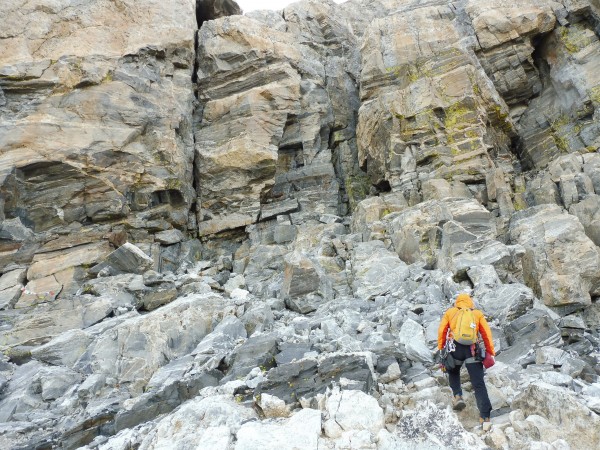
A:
(272, 406)
(392, 373)
(593, 404)
(300, 431)
(239, 294)
(546, 431)
(413, 337)
(215, 419)
(236, 282)
(341, 406)
(550, 355)
(556, 378)
(428, 427)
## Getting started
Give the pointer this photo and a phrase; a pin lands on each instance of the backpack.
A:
(464, 326)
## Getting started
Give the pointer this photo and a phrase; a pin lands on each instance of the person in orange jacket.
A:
(465, 354)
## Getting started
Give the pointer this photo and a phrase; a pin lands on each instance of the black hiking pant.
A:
(476, 373)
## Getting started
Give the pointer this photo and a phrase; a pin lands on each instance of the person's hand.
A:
(436, 356)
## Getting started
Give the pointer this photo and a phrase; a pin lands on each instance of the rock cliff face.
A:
(232, 229)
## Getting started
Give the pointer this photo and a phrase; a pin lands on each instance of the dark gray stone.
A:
(152, 299)
(166, 398)
(290, 352)
(525, 334)
(309, 377)
(255, 352)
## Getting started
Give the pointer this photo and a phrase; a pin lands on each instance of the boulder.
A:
(376, 270)
(501, 302)
(258, 351)
(427, 426)
(169, 237)
(412, 337)
(301, 287)
(139, 346)
(341, 408)
(63, 350)
(561, 408)
(301, 430)
(126, 259)
(12, 278)
(560, 262)
(588, 213)
(308, 377)
(212, 421)
(525, 334)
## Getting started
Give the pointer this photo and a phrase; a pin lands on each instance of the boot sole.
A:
(459, 406)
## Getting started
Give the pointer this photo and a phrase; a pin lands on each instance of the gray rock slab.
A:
(9, 297)
(126, 259)
(309, 377)
(255, 352)
(12, 278)
(532, 330)
(169, 237)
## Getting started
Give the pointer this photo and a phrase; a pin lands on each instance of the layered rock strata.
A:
(232, 229)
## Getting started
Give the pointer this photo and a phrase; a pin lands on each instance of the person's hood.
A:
(464, 301)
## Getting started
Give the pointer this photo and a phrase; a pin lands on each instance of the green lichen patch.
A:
(576, 37)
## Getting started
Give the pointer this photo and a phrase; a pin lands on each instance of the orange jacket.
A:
(465, 301)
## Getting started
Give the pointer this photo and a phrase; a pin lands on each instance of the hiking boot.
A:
(486, 424)
(458, 404)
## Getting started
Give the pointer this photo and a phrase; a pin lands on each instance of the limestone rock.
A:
(587, 211)
(208, 420)
(526, 333)
(12, 279)
(46, 321)
(302, 430)
(169, 237)
(141, 345)
(255, 352)
(376, 270)
(64, 350)
(96, 122)
(271, 406)
(126, 259)
(45, 264)
(427, 426)
(301, 284)
(413, 338)
(308, 377)
(341, 406)
(420, 118)
(10, 296)
(504, 35)
(560, 407)
(561, 262)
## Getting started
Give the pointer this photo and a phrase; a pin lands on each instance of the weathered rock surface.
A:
(242, 231)
(560, 262)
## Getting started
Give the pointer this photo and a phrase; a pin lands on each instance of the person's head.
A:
(464, 300)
